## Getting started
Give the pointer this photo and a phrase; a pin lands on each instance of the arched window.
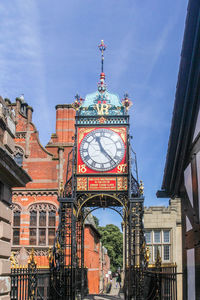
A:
(16, 227)
(51, 225)
(42, 224)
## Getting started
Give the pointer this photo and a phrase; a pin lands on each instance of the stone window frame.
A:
(16, 208)
(154, 245)
(42, 228)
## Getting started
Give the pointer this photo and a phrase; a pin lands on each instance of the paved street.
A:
(114, 294)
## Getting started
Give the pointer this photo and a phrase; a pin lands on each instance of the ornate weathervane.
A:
(102, 48)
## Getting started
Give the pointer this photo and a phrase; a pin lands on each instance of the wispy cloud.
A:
(21, 60)
(160, 44)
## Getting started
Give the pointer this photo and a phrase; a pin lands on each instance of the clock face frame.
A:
(102, 149)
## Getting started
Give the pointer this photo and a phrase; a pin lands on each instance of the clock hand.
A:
(102, 149)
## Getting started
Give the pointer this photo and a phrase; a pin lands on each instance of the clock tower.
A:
(99, 175)
(102, 133)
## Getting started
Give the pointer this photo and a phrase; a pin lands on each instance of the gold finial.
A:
(57, 245)
(14, 264)
(141, 188)
(31, 260)
(50, 255)
(147, 255)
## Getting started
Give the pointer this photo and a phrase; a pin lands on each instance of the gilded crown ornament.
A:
(126, 102)
(77, 102)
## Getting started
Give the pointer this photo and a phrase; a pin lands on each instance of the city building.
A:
(182, 169)
(11, 175)
(35, 206)
(105, 275)
(96, 259)
(163, 233)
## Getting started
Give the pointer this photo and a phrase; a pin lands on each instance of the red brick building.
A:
(35, 207)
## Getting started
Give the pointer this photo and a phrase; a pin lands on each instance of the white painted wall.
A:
(191, 274)
(188, 182)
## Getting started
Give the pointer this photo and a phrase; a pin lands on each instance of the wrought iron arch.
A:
(95, 208)
(122, 203)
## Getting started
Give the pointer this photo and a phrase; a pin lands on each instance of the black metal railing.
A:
(34, 284)
(27, 283)
(158, 283)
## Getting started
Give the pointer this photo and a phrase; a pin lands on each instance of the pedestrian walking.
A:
(118, 281)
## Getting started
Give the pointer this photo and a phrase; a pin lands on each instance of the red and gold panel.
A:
(84, 133)
(122, 183)
(102, 183)
(82, 184)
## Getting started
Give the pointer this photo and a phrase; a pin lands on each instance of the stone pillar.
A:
(5, 242)
(24, 228)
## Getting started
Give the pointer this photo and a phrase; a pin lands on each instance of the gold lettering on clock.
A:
(82, 168)
(121, 168)
(102, 109)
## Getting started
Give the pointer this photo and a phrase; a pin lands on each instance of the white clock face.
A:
(102, 149)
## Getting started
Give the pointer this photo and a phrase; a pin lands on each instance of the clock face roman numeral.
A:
(86, 157)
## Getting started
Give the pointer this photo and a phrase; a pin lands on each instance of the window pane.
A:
(32, 236)
(148, 237)
(33, 218)
(42, 237)
(16, 233)
(51, 236)
(166, 252)
(42, 218)
(156, 236)
(166, 236)
(16, 218)
(52, 218)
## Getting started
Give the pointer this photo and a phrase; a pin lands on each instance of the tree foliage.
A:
(96, 221)
(112, 239)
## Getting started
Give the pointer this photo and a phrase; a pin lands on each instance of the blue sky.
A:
(48, 52)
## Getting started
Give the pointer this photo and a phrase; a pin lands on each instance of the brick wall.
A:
(47, 168)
